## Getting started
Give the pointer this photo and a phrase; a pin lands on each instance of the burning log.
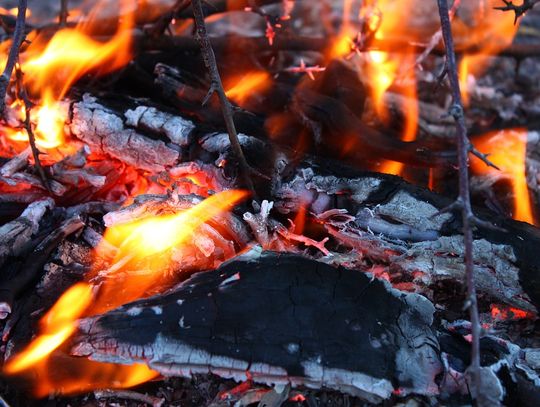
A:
(278, 319)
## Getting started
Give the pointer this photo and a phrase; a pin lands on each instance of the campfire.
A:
(269, 202)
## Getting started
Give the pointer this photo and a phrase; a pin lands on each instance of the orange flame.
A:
(490, 32)
(151, 237)
(508, 149)
(244, 86)
(53, 66)
(56, 326)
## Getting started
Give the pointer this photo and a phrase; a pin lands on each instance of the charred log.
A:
(281, 319)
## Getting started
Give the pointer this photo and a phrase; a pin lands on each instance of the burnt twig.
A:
(518, 10)
(130, 395)
(464, 200)
(217, 87)
(18, 37)
(21, 93)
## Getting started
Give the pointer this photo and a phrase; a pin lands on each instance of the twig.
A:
(21, 93)
(518, 10)
(64, 13)
(464, 200)
(130, 395)
(159, 27)
(18, 37)
(217, 87)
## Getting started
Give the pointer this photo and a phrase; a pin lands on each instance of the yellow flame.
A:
(508, 149)
(149, 237)
(56, 326)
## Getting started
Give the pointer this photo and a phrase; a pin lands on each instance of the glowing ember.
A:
(243, 88)
(504, 313)
(507, 149)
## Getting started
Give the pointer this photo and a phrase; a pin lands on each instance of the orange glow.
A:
(490, 33)
(152, 238)
(244, 86)
(507, 149)
(56, 326)
(504, 313)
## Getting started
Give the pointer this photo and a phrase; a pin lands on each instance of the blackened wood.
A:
(282, 319)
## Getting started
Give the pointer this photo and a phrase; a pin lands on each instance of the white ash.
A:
(408, 210)
(15, 234)
(176, 128)
(104, 131)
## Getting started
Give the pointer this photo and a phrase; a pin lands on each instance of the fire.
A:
(56, 326)
(148, 238)
(489, 32)
(508, 150)
(244, 86)
(53, 65)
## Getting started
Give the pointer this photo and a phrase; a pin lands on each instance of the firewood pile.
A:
(269, 202)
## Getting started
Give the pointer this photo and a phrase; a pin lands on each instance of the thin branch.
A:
(464, 199)
(160, 26)
(18, 37)
(22, 94)
(518, 10)
(217, 87)
(64, 13)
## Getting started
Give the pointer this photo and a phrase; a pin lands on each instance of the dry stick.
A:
(21, 93)
(217, 87)
(464, 201)
(64, 13)
(18, 37)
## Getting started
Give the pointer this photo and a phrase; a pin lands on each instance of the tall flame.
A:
(53, 65)
(489, 32)
(508, 149)
(149, 238)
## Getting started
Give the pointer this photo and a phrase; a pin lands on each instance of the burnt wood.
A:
(280, 318)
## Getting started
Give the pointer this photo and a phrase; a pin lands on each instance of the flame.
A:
(244, 86)
(150, 237)
(56, 326)
(53, 65)
(508, 149)
(489, 32)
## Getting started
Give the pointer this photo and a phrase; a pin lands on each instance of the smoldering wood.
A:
(330, 107)
(33, 265)
(396, 232)
(283, 319)
(505, 268)
(104, 131)
(16, 234)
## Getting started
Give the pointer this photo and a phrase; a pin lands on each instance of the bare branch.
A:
(217, 87)
(21, 93)
(518, 10)
(18, 37)
(464, 199)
